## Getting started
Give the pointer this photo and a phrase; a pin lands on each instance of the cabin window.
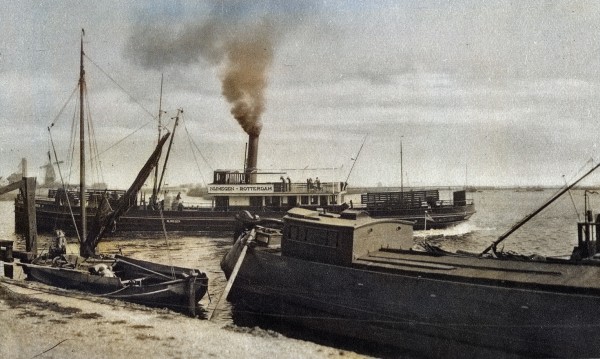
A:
(292, 201)
(256, 202)
(221, 202)
(275, 201)
(315, 236)
(303, 199)
(323, 200)
(314, 200)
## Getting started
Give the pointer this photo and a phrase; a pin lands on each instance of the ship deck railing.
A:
(297, 187)
(408, 204)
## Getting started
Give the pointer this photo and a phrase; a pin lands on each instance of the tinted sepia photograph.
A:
(299, 179)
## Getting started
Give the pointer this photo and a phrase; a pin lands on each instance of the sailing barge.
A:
(122, 278)
(360, 277)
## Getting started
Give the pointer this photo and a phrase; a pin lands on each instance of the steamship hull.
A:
(50, 217)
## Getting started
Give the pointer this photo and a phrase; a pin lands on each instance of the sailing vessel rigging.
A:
(122, 278)
(424, 207)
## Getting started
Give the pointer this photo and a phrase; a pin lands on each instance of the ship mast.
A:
(401, 173)
(82, 203)
(154, 198)
(179, 112)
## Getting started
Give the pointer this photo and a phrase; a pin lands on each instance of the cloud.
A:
(238, 36)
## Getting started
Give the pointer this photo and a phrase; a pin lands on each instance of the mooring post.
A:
(597, 225)
(28, 192)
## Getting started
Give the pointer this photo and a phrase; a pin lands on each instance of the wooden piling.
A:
(28, 193)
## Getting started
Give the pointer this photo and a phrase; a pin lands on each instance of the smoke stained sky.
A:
(490, 93)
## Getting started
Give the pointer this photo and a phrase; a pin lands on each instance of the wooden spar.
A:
(356, 159)
(168, 150)
(11, 187)
(144, 269)
(27, 188)
(234, 273)
(401, 172)
(154, 187)
(92, 240)
(534, 213)
(82, 203)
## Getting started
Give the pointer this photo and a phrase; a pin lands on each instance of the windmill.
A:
(50, 176)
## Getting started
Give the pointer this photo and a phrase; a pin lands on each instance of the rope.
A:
(192, 144)
(64, 106)
(162, 220)
(123, 139)
(63, 186)
(45, 351)
(94, 156)
(121, 87)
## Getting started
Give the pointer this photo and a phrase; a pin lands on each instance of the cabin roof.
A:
(348, 218)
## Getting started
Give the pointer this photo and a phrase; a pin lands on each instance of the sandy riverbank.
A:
(43, 322)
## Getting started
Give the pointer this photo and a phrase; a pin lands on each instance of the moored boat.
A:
(361, 277)
(122, 278)
(126, 279)
(423, 207)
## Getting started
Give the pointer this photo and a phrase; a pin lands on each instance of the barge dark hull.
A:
(423, 305)
(179, 293)
(50, 217)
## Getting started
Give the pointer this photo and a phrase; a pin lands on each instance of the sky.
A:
(472, 93)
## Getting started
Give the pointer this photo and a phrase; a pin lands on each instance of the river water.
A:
(552, 232)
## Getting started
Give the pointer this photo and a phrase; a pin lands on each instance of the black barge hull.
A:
(419, 306)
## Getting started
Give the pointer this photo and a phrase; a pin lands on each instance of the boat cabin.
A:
(340, 238)
(239, 190)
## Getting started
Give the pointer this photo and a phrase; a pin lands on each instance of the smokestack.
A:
(252, 158)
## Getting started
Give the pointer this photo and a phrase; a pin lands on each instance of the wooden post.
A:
(597, 233)
(28, 193)
(190, 288)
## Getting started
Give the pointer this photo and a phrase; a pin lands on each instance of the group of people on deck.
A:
(174, 205)
(316, 185)
(286, 185)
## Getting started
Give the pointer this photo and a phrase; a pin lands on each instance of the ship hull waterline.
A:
(426, 315)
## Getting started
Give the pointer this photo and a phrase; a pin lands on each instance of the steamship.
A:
(231, 191)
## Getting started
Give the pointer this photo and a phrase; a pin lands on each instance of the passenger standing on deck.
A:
(318, 183)
(58, 246)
